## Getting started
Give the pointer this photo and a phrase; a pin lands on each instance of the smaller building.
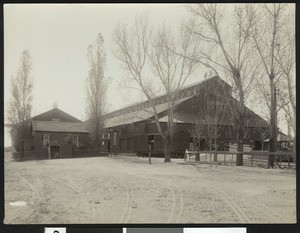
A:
(53, 134)
(284, 143)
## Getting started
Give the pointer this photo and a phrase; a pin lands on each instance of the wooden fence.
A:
(37, 155)
(250, 158)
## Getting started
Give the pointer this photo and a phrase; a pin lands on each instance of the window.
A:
(108, 136)
(103, 136)
(55, 120)
(46, 140)
(115, 138)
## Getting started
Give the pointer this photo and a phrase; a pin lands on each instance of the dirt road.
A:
(128, 190)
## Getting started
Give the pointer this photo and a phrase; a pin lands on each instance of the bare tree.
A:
(20, 105)
(286, 61)
(143, 52)
(96, 90)
(211, 110)
(228, 54)
(271, 44)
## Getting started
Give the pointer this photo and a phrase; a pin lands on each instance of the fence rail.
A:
(37, 155)
(253, 158)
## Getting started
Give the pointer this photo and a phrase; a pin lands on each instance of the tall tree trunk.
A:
(241, 123)
(167, 150)
(273, 123)
(215, 154)
(240, 145)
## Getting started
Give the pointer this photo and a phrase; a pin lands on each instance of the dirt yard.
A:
(129, 190)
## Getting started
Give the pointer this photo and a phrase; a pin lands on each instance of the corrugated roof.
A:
(49, 126)
(189, 118)
(253, 120)
(182, 118)
(181, 89)
(139, 115)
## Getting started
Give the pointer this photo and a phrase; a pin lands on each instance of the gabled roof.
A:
(47, 116)
(139, 115)
(55, 112)
(49, 126)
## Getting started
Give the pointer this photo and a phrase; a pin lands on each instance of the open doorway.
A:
(108, 146)
(55, 152)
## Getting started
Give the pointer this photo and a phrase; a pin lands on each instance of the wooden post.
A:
(289, 161)
(251, 160)
(149, 154)
(49, 152)
(215, 156)
(225, 159)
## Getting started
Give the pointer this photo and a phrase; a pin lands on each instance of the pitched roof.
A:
(139, 115)
(49, 126)
(184, 88)
(46, 116)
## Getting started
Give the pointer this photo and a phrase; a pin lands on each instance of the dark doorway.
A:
(55, 152)
(108, 146)
(151, 142)
(258, 145)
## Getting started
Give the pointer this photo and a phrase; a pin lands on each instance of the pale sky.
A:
(57, 37)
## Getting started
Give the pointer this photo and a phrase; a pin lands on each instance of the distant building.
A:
(133, 129)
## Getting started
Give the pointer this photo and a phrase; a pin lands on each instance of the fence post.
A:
(289, 161)
(197, 156)
(225, 159)
(252, 160)
(215, 157)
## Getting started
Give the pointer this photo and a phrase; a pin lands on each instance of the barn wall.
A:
(42, 152)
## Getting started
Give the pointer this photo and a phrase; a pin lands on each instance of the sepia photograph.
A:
(150, 114)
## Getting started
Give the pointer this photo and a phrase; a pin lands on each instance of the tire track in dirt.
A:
(25, 212)
(181, 205)
(38, 208)
(177, 205)
(80, 198)
(262, 208)
(239, 212)
(66, 183)
(96, 212)
(126, 214)
(237, 209)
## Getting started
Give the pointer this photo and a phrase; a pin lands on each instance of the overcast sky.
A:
(57, 37)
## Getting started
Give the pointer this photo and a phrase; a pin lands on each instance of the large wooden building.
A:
(56, 134)
(133, 129)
